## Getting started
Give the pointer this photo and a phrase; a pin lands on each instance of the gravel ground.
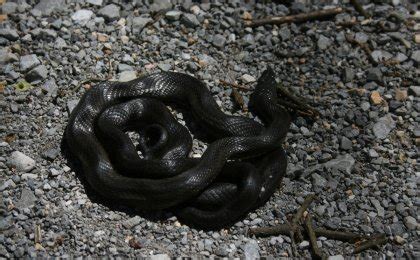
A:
(360, 156)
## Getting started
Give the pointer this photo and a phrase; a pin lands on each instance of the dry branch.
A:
(298, 18)
(359, 8)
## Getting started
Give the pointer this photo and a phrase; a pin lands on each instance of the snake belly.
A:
(238, 172)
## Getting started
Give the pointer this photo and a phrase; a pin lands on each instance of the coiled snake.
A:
(238, 172)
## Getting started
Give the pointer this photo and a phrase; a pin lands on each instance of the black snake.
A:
(238, 172)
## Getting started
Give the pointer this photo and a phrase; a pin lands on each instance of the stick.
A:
(312, 238)
(297, 103)
(359, 8)
(298, 18)
(299, 213)
(284, 229)
(372, 242)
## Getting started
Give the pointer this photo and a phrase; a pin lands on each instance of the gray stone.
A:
(95, 2)
(284, 33)
(374, 74)
(318, 181)
(379, 55)
(341, 163)
(50, 154)
(9, 34)
(248, 78)
(323, 42)
(346, 143)
(6, 56)
(139, 23)
(361, 37)
(249, 39)
(132, 222)
(9, 7)
(410, 223)
(415, 56)
(71, 104)
(383, 126)
(127, 76)
(28, 62)
(27, 199)
(414, 90)
(160, 257)
(348, 75)
(159, 5)
(82, 16)
(380, 210)
(373, 153)
(60, 43)
(336, 257)
(190, 20)
(164, 66)
(173, 15)
(21, 162)
(46, 7)
(304, 244)
(251, 250)
(37, 74)
(124, 67)
(219, 41)
(110, 12)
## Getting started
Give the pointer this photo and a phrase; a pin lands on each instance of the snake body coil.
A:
(238, 172)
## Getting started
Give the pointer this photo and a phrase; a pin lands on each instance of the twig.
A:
(299, 213)
(298, 18)
(296, 104)
(284, 229)
(372, 242)
(312, 238)
(359, 8)
(293, 243)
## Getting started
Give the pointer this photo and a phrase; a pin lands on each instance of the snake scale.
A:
(238, 172)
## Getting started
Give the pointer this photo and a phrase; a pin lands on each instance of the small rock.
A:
(379, 55)
(159, 5)
(164, 66)
(21, 162)
(46, 186)
(71, 105)
(376, 98)
(37, 74)
(346, 143)
(82, 16)
(110, 12)
(348, 75)
(95, 2)
(323, 42)
(190, 20)
(251, 250)
(27, 199)
(127, 76)
(249, 39)
(51, 154)
(9, 34)
(399, 240)
(373, 153)
(9, 7)
(341, 163)
(374, 74)
(417, 38)
(304, 244)
(248, 78)
(383, 127)
(361, 37)
(173, 15)
(414, 90)
(160, 257)
(46, 7)
(318, 181)
(139, 23)
(132, 222)
(28, 62)
(50, 87)
(336, 257)
(124, 67)
(401, 95)
(410, 223)
(415, 56)
(219, 40)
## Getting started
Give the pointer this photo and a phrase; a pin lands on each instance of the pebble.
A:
(376, 98)
(139, 23)
(132, 222)
(383, 126)
(323, 42)
(9, 34)
(9, 7)
(82, 16)
(21, 162)
(173, 15)
(110, 12)
(190, 20)
(374, 74)
(348, 75)
(127, 76)
(248, 78)
(415, 56)
(341, 163)
(159, 5)
(71, 104)
(411, 223)
(379, 55)
(37, 74)
(251, 250)
(414, 90)
(47, 7)
(346, 143)
(95, 2)
(336, 257)
(28, 62)
(27, 199)
(219, 41)
(304, 244)
(401, 95)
